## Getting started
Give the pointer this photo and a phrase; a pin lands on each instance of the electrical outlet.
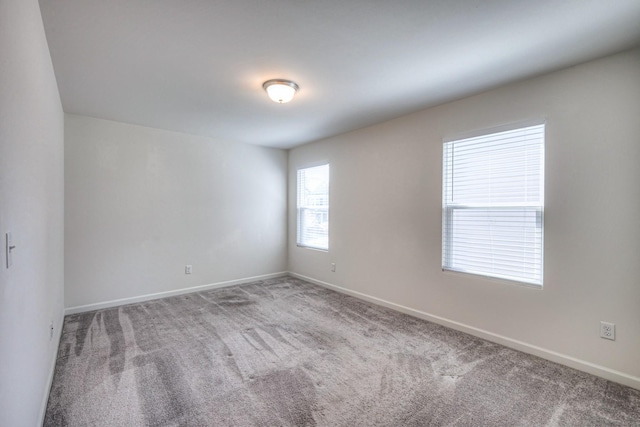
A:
(608, 331)
(333, 267)
(188, 269)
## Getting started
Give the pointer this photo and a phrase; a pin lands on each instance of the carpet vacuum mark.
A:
(284, 352)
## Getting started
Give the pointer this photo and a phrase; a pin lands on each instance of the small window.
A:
(313, 207)
(493, 205)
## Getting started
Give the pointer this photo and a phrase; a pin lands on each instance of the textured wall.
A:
(142, 203)
(386, 200)
(31, 207)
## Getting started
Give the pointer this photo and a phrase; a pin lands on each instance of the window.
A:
(493, 204)
(313, 207)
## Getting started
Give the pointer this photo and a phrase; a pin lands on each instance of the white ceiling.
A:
(197, 66)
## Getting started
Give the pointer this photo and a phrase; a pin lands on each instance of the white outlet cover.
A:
(608, 331)
(188, 269)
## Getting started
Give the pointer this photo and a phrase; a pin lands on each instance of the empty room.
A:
(319, 213)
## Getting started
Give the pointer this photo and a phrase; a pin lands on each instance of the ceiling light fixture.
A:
(280, 90)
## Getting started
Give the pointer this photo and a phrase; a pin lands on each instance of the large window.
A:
(493, 204)
(313, 207)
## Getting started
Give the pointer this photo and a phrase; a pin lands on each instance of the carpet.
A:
(284, 352)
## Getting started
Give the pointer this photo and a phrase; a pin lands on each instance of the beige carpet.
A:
(284, 352)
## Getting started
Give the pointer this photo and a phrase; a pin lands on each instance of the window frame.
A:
(303, 208)
(448, 209)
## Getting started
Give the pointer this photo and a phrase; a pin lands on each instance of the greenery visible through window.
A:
(313, 207)
(493, 204)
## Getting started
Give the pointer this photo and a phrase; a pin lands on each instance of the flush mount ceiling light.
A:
(280, 90)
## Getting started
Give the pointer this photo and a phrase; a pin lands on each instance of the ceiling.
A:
(197, 66)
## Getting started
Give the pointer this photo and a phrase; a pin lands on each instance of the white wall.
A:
(31, 207)
(385, 217)
(141, 203)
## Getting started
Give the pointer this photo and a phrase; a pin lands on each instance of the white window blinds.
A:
(493, 205)
(313, 207)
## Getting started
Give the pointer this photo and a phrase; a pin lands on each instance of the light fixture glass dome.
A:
(279, 90)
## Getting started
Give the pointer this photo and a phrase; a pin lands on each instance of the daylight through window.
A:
(493, 204)
(313, 207)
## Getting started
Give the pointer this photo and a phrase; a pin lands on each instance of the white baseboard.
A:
(52, 368)
(572, 362)
(148, 297)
